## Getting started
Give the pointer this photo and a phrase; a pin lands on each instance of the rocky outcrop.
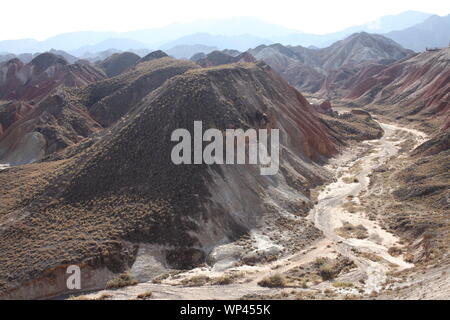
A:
(437, 144)
(324, 107)
(356, 125)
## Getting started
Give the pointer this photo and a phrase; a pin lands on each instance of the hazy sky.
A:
(44, 18)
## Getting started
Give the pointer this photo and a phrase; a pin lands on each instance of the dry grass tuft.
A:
(350, 231)
(123, 280)
(275, 281)
(145, 295)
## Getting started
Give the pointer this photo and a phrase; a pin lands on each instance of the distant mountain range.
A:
(311, 70)
(238, 42)
(433, 32)
(382, 25)
(413, 30)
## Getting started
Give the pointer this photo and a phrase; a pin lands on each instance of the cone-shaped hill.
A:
(96, 207)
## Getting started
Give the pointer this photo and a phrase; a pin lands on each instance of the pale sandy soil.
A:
(330, 213)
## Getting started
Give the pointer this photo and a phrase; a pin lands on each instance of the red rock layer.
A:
(35, 80)
(421, 82)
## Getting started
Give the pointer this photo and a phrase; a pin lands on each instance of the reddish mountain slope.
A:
(420, 85)
(33, 81)
(66, 117)
(11, 112)
(328, 69)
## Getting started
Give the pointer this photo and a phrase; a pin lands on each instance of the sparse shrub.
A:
(275, 281)
(320, 261)
(371, 256)
(327, 272)
(103, 296)
(395, 251)
(159, 279)
(408, 257)
(304, 284)
(328, 269)
(123, 280)
(196, 281)
(342, 285)
(350, 231)
(144, 295)
(226, 279)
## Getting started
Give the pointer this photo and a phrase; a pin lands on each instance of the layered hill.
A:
(34, 80)
(12, 111)
(414, 88)
(121, 189)
(361, 47)
(312, 70)
(67, 116)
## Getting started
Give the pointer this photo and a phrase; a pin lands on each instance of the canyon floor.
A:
(357, 257)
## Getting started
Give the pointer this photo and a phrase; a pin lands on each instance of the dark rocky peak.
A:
(154, 55)
(46, 60)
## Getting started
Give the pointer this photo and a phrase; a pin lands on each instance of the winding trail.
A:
(370, 254)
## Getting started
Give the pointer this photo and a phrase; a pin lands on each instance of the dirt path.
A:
(340, 201)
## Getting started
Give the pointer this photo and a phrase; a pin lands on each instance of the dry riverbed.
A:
(354, 259)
